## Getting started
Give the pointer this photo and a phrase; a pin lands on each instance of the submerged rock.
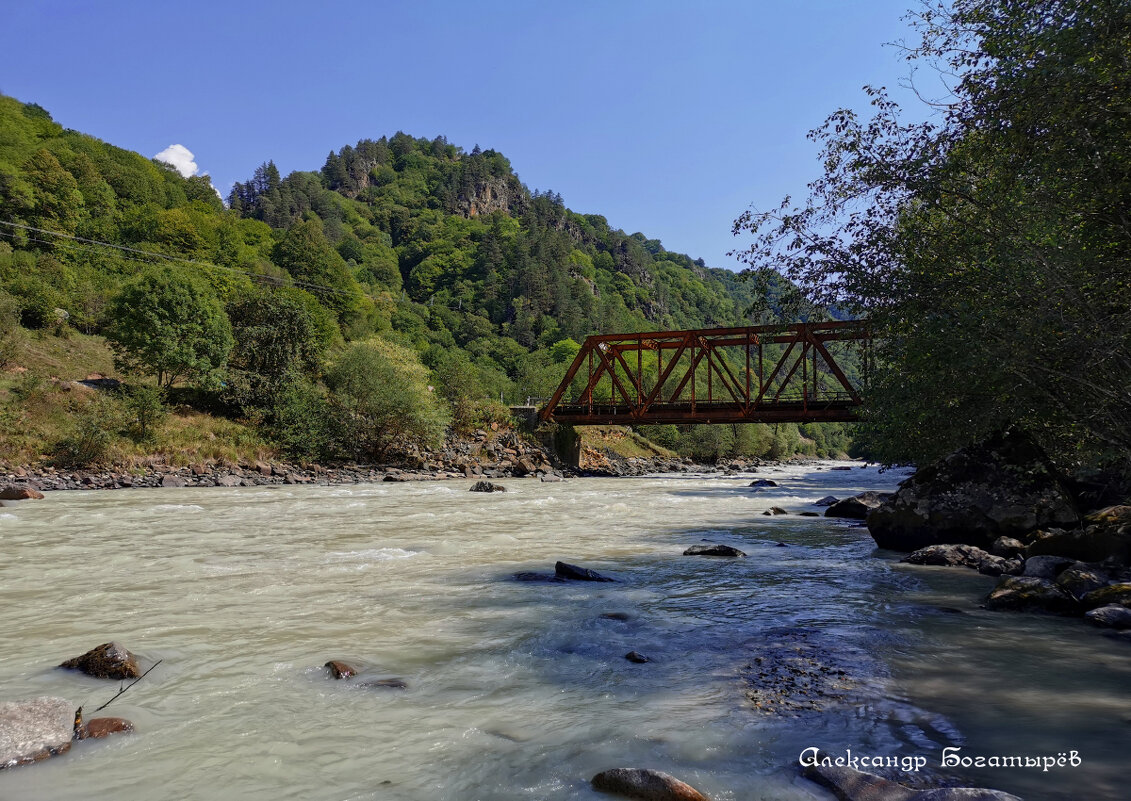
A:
(849, 784)
(97, 728)
(713, 550)
(35, 729)
(649, 785)
(858, 507)
(1005, 486)
(340, 670)
(640, 659)
(1031, 594)
(564, 570)
(622, 616)
(108, 661)
(385, 684)
(487, 486)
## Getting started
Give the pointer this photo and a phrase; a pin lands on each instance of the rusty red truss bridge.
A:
(755, 374)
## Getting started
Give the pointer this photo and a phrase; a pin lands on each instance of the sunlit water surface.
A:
(520, 690)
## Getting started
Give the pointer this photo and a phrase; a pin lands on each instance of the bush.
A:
(144, 411)
(93, 433)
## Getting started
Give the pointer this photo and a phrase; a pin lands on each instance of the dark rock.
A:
(386, 684)
(1007, 547)
(20, 494)
(1046, 567)
(1081, 579)
(97, 728)
(648, 785)
(107, 661)
(340, 670)
(35, 729)
(564, 570)
(849, 784)
(639, 658)
(809, 514)
(958, 556)
(1092, 544)
(487, 486)
(857, 507)
(615, 616)
(1113, 594)
(763, 482)
(531, 576)
(712, 550)
(777, 510)
(1031, 594)
(840, 467)
(828, 500)
(170, 480)
(1112, 616)
(1005, 486)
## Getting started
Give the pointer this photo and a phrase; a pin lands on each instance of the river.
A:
(520, 690)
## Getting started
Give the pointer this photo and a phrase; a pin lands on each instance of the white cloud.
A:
(180, 158)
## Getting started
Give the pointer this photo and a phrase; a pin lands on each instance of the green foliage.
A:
(989, 246)
(168, 324)
(304, 424)
(381, 391)
(94, 430)
(10, 333)
(144, 411)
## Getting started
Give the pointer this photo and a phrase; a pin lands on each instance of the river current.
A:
(520, 690)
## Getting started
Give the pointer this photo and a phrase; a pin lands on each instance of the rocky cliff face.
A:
(485, 197)
(1005, 486)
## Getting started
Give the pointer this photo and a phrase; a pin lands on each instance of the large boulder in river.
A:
(858, 507)
(1031, 594)
(34, 730)
(108, 661)
(649, 785)
(564, 570)
(487, 486)
(1004, 487)
(20, 494)
(959, 556)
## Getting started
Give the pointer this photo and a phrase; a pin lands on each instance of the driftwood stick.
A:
(131, 684)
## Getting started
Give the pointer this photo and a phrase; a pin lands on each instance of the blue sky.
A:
(669, 118)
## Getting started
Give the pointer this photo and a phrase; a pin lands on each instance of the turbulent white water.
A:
(519, 690)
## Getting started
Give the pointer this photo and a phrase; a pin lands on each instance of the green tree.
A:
(167, 323)
(382, 393)
(989, 246)
(305, 253)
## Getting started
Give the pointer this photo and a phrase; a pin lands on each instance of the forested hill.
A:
(439, 245)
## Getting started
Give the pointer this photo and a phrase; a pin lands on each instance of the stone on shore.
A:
(20, 494)
(1031, 594)
(97, 728)
(1113, 616)
(713, 549)
(171, 480)
(1003, 487)
(35, 729)
(849, 784)
(1119, 594)
(1096, 542)
(487, 486)
(108, 661)
(1047, 567)
(958, 556)
(1081, 579)
(648, 785)
(1007, 547)
(858, 507)
(564, 570)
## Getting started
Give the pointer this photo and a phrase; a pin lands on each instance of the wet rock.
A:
(857, 507)
(615, 616)
(849, 784)
(1119, 594)
(763, 482)
(648, 785)
(170, 480)
(1031, 594)
(1046, 567)
(385, 684)
(532, 576)
(97, 728)
(828, 500)
(958, 556)
(1005, 486)
(108, 661)
(1112, 616)
(1007, 547)
(809, 514)
(35, 729)
(340, 670)
(640, 659)
(712, 550)
(20, 494)
(487, 486)
(1092, 544)
(1081, 579)
(777, 510)
(564, 570)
